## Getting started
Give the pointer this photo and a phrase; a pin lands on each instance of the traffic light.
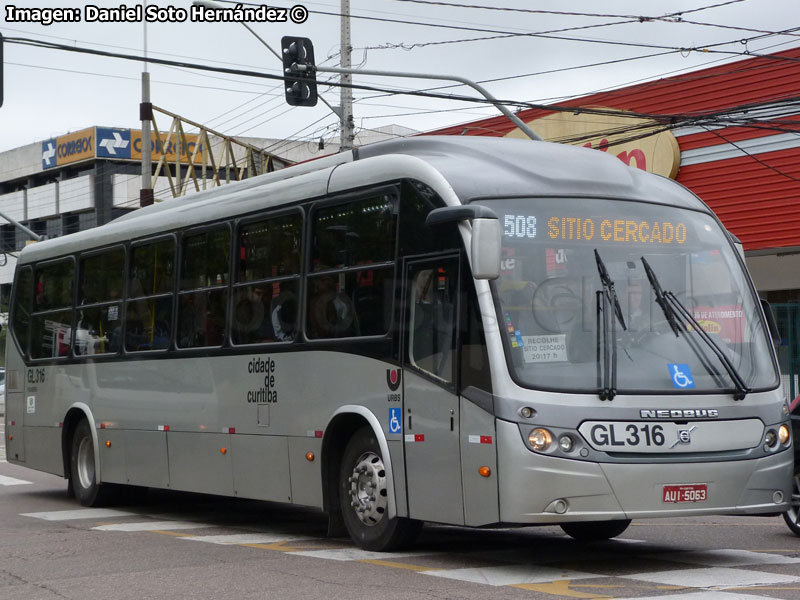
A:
(1, 69)
(300, 83)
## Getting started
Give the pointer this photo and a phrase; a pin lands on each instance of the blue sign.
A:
(113, 143)
(681, 376)
(49, 159)
(395, 420)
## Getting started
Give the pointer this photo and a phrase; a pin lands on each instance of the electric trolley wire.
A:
(202, 67)
(753, 156)
(561, 12)
(674, 120)
(706, 48)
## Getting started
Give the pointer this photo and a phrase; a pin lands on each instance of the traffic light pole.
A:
(480, 89)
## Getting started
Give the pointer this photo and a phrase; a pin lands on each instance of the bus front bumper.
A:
(536, 488)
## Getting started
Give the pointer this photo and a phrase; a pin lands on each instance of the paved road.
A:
(174, 545)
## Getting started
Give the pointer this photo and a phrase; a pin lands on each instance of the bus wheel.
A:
(363, 496)
(593, 531)
(792, 516)
(83, 480)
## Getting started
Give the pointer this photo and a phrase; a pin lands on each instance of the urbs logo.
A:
(393, 379)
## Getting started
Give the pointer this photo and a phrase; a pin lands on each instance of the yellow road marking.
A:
(761, 587)
(644, 587)
(396, 565)
(559, 588)
(283, 547)
(172, 533)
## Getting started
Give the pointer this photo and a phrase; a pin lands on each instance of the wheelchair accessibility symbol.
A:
(681, 376)
(395, 424)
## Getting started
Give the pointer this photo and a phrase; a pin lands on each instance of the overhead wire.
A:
(704, 48)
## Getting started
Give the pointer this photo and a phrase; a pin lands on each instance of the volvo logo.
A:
(690, 413)
(684, 436)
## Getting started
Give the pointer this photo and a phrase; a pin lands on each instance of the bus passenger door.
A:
(432, 451)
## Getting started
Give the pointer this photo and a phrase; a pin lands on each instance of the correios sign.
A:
(118, 144)
(657, 153)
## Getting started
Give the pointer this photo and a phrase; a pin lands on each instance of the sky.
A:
(50, 92)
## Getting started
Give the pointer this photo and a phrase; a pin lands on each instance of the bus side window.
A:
(267, 280)
(474, 354)
(99, 316)
(433, 301)
(203, 294)
(51, 325)
(21, 311)
(148, 316)
(351, 278)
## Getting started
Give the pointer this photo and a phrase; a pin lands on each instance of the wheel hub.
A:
(86, 463)
(368, 496)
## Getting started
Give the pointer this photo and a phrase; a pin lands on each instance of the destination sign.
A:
(597, 229)
(624, 231)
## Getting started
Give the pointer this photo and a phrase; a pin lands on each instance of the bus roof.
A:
(489, 167)
(474, 167)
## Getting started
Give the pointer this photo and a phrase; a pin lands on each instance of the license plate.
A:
(696, 492)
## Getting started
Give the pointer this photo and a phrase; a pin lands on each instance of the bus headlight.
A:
(565, 443)
(771, 439)
(540, 439)
(784, 434)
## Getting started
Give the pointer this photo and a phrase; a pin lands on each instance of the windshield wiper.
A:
(607, 380)
(673, 308)
(741, 389)
(660, 299)
(608, 286)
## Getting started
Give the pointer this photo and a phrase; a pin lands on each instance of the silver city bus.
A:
(468, 331)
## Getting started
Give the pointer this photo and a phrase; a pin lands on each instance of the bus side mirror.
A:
(484, 253)
(772, 325)
(485, 248)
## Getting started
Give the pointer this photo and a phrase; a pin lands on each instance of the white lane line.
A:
(152, 526)
(246, 538)
(727, 558)
(704, 595)
(713, 577)
(511, 574)
(11, 481)
(81, 513)
(356, 554)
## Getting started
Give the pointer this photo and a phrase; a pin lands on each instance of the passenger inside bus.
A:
(283, 312)
(331, 312)
(250, 322)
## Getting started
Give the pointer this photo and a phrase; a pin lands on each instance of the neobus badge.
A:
(689, 413)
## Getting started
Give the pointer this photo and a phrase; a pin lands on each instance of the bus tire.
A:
(792, 516)
(83, 471)
(363, 496)
(593, 531)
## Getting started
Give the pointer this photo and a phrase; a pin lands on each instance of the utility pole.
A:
(146, 196)
(346, 115)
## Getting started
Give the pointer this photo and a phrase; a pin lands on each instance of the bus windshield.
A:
(557, 253)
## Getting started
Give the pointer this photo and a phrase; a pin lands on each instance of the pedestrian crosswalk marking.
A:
(727, 558)
(512, 574)
(712, 571)
(246, 538)
(152, 526)
(80, 513)
(713, 577)
(12, 481)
